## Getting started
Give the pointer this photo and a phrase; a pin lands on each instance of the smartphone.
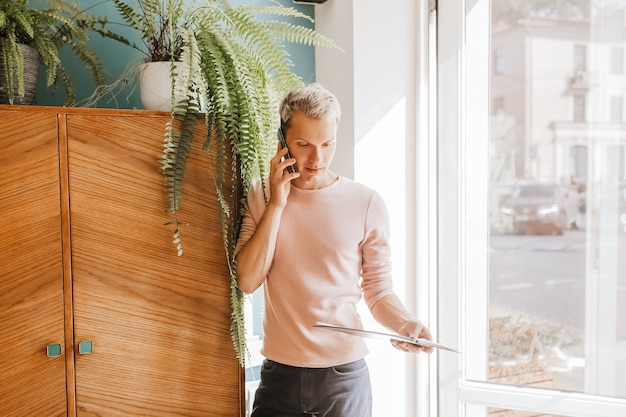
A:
(283, 143)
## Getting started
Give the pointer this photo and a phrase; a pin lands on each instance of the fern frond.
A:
(12, 63)
(91, 61)
(128, 14)
(176, 147)
(238, 327)
(70, 93)
(276, 11)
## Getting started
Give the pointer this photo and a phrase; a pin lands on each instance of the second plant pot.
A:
(31, 76)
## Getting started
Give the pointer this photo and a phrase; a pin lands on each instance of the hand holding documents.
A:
(378, 335)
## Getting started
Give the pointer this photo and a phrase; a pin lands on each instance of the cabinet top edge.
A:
(82, 110)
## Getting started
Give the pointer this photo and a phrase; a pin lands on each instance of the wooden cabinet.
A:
(85, 256)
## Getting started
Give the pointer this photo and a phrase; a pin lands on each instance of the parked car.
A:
(535, 208)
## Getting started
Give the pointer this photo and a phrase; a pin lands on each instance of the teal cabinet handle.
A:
(53, 350)
(84, 347)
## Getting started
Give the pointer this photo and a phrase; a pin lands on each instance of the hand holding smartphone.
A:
(283, 143)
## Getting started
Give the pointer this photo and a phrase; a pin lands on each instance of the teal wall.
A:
(117, 57)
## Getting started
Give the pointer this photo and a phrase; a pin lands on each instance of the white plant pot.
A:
(156, 86)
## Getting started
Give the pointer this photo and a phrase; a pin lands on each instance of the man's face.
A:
(312, 142)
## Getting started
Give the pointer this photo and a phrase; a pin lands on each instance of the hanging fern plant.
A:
(233, 67)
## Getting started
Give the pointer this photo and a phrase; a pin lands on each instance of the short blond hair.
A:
(314, 100)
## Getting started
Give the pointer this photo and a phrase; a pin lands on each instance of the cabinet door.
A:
(159, 324)
(31, 267)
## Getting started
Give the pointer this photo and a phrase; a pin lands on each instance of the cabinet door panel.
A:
(159, 323)
(31, 270)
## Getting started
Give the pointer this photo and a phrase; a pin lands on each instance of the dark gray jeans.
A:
(338, 391)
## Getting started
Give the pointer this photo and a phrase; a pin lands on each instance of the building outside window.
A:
(578, 163)
(617, 61)
(498, 61)
(616, 109)
(580, 107)
(580, 57)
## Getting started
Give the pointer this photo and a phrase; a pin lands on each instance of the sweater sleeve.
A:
(252, 212)
(376, 253)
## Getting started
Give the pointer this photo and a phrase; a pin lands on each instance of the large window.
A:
(498, 61)
(532, 208)
(578, 163)
(580, 107)
(580, 51)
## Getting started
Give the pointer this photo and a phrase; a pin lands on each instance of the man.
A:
(319, 244)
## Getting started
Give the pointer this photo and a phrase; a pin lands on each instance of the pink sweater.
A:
(332, 248)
